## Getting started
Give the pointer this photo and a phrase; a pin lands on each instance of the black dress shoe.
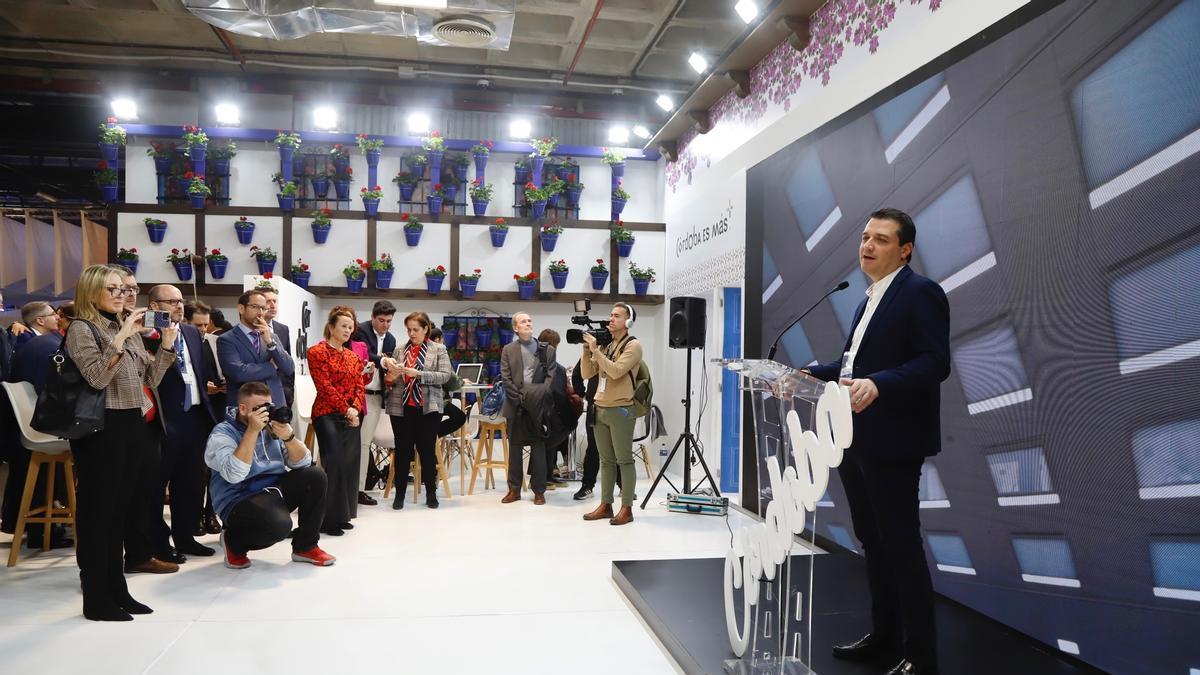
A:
(195, 548)
(365, 499)
(171, 555)
(907, 667)
(201, 529)
(347, 526)
(431, 500)
(212, 524)
(868, 649)
(332, 531)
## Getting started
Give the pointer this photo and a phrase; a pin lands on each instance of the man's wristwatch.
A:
(289, 439)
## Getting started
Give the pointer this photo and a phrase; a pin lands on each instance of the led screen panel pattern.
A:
(1070, 462)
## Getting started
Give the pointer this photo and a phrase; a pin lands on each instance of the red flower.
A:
(620, 223)
(358, 260)
(304, 266)
(437, 186)
(216, 251)
(327, 211)
(349, 171)
(475, 182)
(268, 275)
(133, 250)
(530, 186)
(533, 275)
(435, 134)
(243, 219)
(361, 136)
(189, 175)
(600, 260)
(377, 188)
(102, 164)
(403, 216)
(365, 266)
(441, 269)
(175, 251)
(200, 177)
(111, 120)
(478, 271)
(363, 190)
(499, 221)
(517, 277)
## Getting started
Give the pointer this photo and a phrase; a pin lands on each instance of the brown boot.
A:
(624, 516)
(539, 498)
(512, 496)
(601, 512)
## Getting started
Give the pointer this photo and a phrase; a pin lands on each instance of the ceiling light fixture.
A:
(519, 129)
(698, 62)
(418, 123)
(747, 9)
(641, 132)
(228, 114)
(618, 135)
(124, 109)
(665, 102)
(325, 117)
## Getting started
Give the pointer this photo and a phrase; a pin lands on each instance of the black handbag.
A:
(68, 406)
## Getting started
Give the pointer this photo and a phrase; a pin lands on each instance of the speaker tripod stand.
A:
(687, 441)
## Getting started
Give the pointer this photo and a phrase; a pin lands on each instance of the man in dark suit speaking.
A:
(894, 362)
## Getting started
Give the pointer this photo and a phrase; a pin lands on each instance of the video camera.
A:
(581, 318)
(281, 414)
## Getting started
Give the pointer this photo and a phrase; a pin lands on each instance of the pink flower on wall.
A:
(779, 75)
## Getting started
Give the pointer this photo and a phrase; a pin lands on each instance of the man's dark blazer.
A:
(241, 364)
(6, 354)
(366, 333)
(169, 392)
(31, 362)
(906, 352)
(283, 333)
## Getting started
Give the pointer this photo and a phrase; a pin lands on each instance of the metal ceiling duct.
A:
(291, 19)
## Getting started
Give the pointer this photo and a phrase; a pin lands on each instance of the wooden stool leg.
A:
(51, 470)
(415, 467)
(505, 448)
(391, 479)
(440, 455)
(26, 497)
(69, 474)
(646, 460)
(478, 463)
(489, 479)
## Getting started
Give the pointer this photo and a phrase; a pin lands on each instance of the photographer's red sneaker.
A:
(234, 561)
(315, 556)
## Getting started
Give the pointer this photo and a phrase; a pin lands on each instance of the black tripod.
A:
(688, 442)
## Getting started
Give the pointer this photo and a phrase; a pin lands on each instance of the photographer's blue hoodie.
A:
(232, 479)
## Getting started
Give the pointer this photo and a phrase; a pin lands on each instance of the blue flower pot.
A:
(245, 235)
(412, 237)
(618, 205)
(340, 164)
(406, 192)
(162, 165)
(624, 247)
(109, 193)
(265, 265)
(320, 187)
(506, 334)
(342, 189)
(618, 170)
(573, 196)
(198, 201)
(131, 264)
(372, 206)
(522, 175)
(383, 278)
(598, 280)
(216, 268)
(641, 286)
(493, 369)
(537, 209)
(434, 286)
(183, 270)
(451, 191)
(559, 279)
(354, 285)
(453, 363)
(536, 164)
(108, 151)
(525, 290)
(220, 167)
(460, 172)
(286, 203)
(480, 164)
(549, 241)
(435, 205)
(417, 169)
(468, 287)
(449, 335)
(435, 162)
(320, 233)
(286, 152)
(373, 157)
(480, 208)
(552, 202)
(198, 154)
(301, 279)
(563, 171)
(156, 232)
(498, 236)
(483, 336)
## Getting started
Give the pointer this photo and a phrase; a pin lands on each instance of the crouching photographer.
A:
(256, 486)
(614, 354)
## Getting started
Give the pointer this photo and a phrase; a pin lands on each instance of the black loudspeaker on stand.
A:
(686, 332)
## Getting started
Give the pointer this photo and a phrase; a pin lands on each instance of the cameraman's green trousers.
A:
(614, 441)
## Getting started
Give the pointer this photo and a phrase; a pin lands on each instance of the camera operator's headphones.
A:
(628, 310)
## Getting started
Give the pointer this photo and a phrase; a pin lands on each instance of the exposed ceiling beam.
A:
(583, 41)
(228, 42)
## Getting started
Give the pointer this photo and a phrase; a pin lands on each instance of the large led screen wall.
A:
(1052, 166)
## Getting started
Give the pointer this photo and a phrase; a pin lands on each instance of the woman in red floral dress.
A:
(340, 376)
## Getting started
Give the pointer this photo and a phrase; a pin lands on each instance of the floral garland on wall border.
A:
(776, 78)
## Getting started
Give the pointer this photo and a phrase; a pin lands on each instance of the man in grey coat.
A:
(526, 389)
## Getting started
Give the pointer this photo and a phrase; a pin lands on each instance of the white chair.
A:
(48, 451)
(306, 396)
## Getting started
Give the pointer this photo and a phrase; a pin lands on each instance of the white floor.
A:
(474, 587)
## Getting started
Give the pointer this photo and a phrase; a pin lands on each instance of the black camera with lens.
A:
(597, 329)
(281, 413)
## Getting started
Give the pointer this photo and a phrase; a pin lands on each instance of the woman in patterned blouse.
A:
(418, 369)
(113, 359)
(340, 377)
